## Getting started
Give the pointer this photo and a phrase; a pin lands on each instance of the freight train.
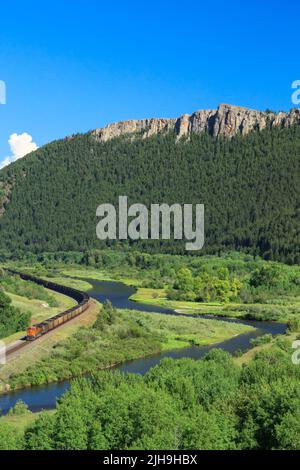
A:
(39, 329)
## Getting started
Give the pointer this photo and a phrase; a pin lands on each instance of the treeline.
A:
(181, 405)
(11, 318)
(228, 277)
(224, 286)
(250, 187)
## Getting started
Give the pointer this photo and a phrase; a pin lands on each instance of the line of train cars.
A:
(39, 329)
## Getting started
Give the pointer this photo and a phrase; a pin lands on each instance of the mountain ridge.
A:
(227, 121)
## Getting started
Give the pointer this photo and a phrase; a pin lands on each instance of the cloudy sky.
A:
(71, 67)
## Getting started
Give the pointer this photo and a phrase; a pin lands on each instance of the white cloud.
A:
(20, 145)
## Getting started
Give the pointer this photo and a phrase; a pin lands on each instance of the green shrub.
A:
(293, 325)
(264, 339)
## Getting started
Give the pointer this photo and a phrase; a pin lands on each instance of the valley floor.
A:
(77, 348)
(105, 336)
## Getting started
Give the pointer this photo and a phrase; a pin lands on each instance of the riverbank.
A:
(258, 311)
(279, 308)
(158, 297)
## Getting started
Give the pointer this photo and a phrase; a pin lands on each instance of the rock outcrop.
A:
(226, 121)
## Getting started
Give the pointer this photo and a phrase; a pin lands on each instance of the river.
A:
(45, 396)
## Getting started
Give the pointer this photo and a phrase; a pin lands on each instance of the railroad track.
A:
(40, 329)
(14, 347)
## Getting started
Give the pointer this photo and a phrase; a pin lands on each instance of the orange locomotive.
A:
(33, 332)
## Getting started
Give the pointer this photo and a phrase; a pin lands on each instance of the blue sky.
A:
(71, 66)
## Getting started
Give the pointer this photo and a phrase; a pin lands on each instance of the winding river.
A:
(45, 396)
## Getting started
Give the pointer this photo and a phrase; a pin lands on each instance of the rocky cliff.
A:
(226, 121)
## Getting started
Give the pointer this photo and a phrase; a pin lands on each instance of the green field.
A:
(158, 297)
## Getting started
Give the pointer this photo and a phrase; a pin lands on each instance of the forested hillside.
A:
(250, 187)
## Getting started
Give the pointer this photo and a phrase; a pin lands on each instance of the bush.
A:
(19, 409)
(11, 318)
(106, 316)
(267, 276)
(264, 339)
(293, 325)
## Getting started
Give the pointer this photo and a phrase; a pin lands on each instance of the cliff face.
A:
(225, 121)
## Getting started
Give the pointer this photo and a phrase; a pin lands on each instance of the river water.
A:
(45, 396)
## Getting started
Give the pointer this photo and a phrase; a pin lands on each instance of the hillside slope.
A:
(250, 186)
